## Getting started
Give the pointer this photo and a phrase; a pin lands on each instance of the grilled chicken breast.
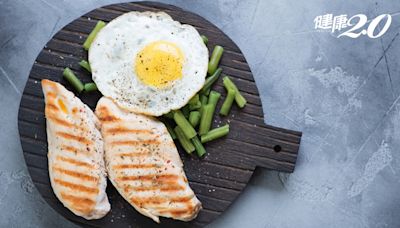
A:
(144, 165)
(75, 153)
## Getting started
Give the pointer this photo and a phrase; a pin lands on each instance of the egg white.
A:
(112, 60)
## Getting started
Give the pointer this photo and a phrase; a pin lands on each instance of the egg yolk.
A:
(159, 63)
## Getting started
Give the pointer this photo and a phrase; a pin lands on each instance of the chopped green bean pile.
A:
(193, 122)
(71, 77)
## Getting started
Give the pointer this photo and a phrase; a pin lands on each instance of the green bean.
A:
(194, 99)
(206, 118)
(184, 124)
(205, 39)
(185, 111)
(215, 133)
(199, 147)
(194, 103)
(226, 106)
(73, 80)
(194, 118)
(93, 34)
(214, 60)
(195, 106)
(208, 112)
(85, 64)
(185, 143)
(214, 97)
(210, 81)
(207, 92)
(240, 100)
(203, 100)
(90, 87)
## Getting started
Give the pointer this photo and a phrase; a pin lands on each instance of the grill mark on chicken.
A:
(150, 177)
(103, 110)
(122, 130)
(76, 187)
(51, 95)
(105, 116)
(77, 200)
(135, 166)
(135, 142)
(168, 188)
(64, 122)
(73, 149)
(51, 107)
(79, 175)
(75, 162)
(156, 200)
(76, 138)
(176, 212)
(134, 154)
(153, 184)
(82, 209)
(81, 204)
(108, 119)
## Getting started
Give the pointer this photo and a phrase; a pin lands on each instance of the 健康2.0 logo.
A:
(354, 26)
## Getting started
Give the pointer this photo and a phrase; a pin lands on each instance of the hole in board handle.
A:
(277, 148)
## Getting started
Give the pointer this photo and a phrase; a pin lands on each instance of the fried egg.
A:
(148, 63)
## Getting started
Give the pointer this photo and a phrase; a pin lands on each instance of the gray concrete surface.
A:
(342, 93)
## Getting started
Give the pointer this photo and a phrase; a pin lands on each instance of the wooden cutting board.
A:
(217, 179)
